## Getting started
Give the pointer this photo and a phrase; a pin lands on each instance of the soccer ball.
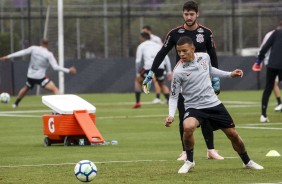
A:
(85, 170)
(4, 97)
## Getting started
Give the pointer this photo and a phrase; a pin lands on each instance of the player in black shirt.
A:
(274, 67)
(203, 40)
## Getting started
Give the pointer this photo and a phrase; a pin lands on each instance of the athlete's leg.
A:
(158, 91)
(270, 80)
(138, 89)
(164, 89)
(50, 86)
(20, 96)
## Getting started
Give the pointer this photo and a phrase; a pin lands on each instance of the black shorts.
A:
(42, 82)
(160, 74)
(217, 116)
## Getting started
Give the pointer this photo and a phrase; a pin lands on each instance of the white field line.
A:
(107, 162)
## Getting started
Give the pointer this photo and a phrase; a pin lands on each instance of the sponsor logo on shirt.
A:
(200, 30)
(181, 30)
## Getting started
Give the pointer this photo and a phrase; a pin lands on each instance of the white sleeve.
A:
(138, 58)
(167, 64)
(220, 73)
(20, 53)
(55, 65)
(175, 90)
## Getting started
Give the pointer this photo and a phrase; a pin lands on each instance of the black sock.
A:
(278, 100)
(245, 157)
(158, 95)
(137, 96)
(17, 101)
(263, 110)
(207, 132)
(190, 155)
(166, 96)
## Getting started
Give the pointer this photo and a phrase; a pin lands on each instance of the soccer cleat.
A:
(182, 156)
(186, 167)
(137, 105)
(256, 67)
(278, 107)
(14, 106)
(264, 119)
(253, 165)
(156, 101)
(213, 154)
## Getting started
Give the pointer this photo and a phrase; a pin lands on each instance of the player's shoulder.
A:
(202, 56)
(202, 29)
(178, 29)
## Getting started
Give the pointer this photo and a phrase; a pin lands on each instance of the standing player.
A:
(147, 51)
(273, 69)
(158, 40)
(203, 41)
(40, 59)
(191, 77)
(276, 89)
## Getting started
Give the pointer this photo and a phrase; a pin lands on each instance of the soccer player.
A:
(167, 64)
(203, 41)
(191, 75)
(40, 59)
(273, 69)
(276, 89)
(147, 50)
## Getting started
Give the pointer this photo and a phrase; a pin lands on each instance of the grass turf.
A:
(147, 150)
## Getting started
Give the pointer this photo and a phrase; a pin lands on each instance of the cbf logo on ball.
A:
(51, 125)
(200, 38)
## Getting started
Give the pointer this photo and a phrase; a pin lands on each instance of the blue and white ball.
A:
(85, 170)
(5, 97)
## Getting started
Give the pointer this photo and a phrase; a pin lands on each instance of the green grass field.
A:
(147, 150)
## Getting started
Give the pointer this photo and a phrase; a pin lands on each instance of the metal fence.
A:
(110, 28)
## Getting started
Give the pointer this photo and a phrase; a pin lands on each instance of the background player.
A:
(40, 59)
(167, 64)
(147, 50)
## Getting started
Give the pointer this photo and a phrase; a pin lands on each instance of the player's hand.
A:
(216, 85)
(147, 82)
(237, 73)
(72, 70)
(168, 121)
(257, 66)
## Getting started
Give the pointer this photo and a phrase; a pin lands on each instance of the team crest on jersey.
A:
(200, 30)
(181, 30)
(200, 38)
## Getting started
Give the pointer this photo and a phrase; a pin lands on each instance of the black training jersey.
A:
(202, 38)
(275, 43)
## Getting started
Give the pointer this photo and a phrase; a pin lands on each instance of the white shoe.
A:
(186, 167)
(264, 119)
(156, 101)
(182, 156)
(14, 106)
(213, 154)
(278, 107)
(253, 165)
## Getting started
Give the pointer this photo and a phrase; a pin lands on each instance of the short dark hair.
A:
(44, 41)
(145, 35)
(191, 5)
(185, 40)
(147, 27)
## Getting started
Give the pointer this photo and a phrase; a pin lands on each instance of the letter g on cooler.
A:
(51, 125)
